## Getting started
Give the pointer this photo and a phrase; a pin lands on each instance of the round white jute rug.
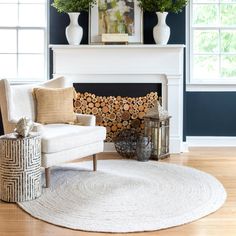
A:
(126, 196)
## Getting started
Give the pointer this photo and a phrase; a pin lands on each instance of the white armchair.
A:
(60, 142)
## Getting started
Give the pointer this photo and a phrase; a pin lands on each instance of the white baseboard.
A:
(185, 147)
(211, 141)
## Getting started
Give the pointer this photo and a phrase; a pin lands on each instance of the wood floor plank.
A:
(220, 162)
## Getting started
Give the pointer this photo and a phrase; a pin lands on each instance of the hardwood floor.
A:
(220, 162)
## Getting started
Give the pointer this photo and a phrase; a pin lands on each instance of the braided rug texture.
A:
(126, 196)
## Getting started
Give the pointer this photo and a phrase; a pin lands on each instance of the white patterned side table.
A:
(20, 168)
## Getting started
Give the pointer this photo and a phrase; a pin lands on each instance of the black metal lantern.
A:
(158, 129)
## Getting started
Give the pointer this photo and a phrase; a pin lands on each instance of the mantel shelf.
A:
(129, 46)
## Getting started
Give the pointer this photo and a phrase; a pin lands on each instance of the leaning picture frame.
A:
(116, 16)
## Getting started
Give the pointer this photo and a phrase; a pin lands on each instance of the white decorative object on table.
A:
(23, 127)
(74, 31)
(161, 32)
(20, 167)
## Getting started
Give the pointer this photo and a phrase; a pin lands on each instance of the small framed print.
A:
(114, 17)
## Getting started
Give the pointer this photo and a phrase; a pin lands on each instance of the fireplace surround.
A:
(129, 64)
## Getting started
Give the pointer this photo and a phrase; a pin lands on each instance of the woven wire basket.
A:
(125, 143)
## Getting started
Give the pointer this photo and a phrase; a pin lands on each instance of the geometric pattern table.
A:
(20, 167)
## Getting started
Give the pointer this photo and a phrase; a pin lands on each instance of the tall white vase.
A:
(161, 32)
(74, 31)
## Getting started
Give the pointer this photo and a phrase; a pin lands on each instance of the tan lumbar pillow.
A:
(54, 105)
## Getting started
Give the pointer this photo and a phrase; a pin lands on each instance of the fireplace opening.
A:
(119, 89)
(116, 106)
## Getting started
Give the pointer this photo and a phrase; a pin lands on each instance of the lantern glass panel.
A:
(158, 130)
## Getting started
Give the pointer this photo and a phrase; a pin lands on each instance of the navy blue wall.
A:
(211, 113)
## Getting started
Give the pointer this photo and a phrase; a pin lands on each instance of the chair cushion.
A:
(59, 137)
(54, 105)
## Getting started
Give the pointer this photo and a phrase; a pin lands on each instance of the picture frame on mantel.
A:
(116, 16)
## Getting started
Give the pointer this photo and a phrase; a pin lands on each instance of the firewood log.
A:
(114, 128)
(125, 115)
(119, 125)
(97, 104)
(105, 109)
(94, 110)
(99, 119)
(141, 107)
(126, 107)
(125, 123)
(112, 116)
(84, 103)
(90, 105)
(134, 116)
(141, 114)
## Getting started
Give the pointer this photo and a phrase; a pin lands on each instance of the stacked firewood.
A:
(115, 113)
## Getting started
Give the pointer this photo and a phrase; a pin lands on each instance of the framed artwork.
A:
(116, 16)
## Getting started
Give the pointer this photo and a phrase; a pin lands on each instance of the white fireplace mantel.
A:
(129, 64)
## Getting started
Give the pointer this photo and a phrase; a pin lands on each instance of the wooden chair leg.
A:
(47, 177)
(94, 162)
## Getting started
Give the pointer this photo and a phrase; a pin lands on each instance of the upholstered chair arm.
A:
(87, 120)
(38, 127)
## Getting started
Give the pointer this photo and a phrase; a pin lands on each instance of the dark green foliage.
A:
(175, 6)
(73, 5)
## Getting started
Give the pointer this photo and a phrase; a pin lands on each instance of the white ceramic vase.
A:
(74, 31)
(161, 32)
